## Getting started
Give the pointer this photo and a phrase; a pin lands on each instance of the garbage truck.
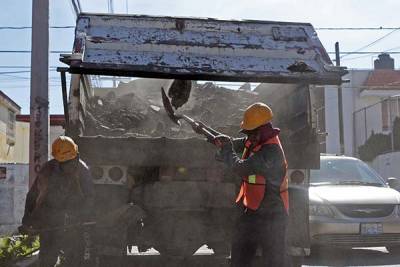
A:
(114, 111)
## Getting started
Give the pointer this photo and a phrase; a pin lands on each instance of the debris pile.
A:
(139, 112)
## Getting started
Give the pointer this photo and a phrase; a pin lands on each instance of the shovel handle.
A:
(210, 136)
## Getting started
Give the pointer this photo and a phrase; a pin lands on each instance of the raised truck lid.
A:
(200, 49)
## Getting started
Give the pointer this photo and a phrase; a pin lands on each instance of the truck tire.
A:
(174, 252)
(221, 249)
(393, 249)
(296, 261)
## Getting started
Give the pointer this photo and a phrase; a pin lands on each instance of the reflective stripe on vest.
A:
(252, 179)
(252, 190)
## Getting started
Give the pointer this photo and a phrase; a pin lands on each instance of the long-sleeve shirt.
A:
(55, 194)
(269, 162)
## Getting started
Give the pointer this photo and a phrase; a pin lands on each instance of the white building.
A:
(8, 111)
(56, 129)
(14, 171)
(368, 106)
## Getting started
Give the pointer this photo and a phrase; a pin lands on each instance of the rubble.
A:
(179, 92)
(140, 112)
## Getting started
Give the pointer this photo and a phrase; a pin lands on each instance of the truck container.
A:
(136, 154)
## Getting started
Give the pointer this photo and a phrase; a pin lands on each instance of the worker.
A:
(263, 197)
(58, 203)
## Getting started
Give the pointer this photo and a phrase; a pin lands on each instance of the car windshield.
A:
(345, 171)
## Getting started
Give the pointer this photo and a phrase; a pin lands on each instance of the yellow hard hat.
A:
(256, 115)
(64, 149)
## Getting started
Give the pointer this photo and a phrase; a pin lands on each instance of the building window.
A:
(11, 128)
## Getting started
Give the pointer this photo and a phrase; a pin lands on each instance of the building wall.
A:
(21, 154)
(7, 148)
(387, 165)
(13, 189)
(14, 185)
(348, 95)
(332, 120)
(366, 122)
(355, 130)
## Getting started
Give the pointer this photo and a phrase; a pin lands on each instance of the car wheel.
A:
(393, 249)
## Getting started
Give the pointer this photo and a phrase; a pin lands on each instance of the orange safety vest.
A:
(252, 189)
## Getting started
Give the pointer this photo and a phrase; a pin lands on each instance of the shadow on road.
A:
(352, 257)
(322, 257)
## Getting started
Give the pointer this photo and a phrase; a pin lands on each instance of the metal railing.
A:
(378, 118)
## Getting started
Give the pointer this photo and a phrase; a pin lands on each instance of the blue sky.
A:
(321, 13)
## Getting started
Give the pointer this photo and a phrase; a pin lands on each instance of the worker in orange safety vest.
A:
(263, 195)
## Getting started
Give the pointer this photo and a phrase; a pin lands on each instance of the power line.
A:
(66, 52)
(11, 78)
(365, 52)
(316, 28)
(330, 52)
(371, 44)
(13, 72)
(8, 76)
(355, 28)
(30, 27)
(368, 55)
(29, 51)
(22, 67)
(22, 71)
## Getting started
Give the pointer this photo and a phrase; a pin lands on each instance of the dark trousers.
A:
(69, 245)
(267, 232)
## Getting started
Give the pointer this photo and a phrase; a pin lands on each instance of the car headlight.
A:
(320, 210)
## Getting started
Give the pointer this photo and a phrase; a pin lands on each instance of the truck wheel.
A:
(175, 252)
(393, 249)
(220, 249)
(316, 250)
(296, 261)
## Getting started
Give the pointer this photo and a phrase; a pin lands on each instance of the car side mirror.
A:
(394, 183)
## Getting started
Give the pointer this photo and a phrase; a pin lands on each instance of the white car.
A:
(352, 206)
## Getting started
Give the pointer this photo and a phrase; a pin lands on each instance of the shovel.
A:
(176, 117)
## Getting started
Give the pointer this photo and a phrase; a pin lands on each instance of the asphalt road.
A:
(330, 257)
(353, 257)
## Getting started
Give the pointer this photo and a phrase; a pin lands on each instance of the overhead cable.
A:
(316, 28)
(355, 28)
(371, 54)
(29, 51)
(371, 44)
(30, 27)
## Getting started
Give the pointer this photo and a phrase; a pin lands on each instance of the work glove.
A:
(223, 141)
(225, 144)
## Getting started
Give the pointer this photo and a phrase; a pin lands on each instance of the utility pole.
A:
(110, 6)
(340, 103)
(39, 117)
